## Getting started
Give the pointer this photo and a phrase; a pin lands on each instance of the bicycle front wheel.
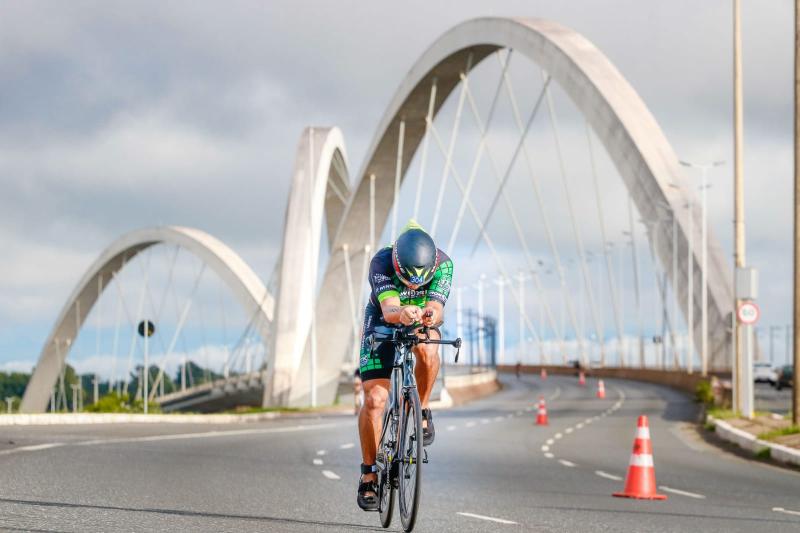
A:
(385, 461)
(410, 459)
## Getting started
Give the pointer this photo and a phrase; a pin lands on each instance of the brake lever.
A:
(457, 344)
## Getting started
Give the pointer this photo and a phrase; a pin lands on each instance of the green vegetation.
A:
(764, 453)
(721, 414)
(121, 403)
(771, 435)
(710, 426)
(704, 394)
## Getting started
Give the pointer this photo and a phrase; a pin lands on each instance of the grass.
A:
(772, 435)
(763, 453)
(721, 414)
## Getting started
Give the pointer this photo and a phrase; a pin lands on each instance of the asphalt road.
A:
(488, 471)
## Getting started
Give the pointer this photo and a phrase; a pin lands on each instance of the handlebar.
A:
(396, 334)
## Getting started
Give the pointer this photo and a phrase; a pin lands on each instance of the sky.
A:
(116, 116)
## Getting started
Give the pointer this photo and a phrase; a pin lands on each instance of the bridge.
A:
(544, 226)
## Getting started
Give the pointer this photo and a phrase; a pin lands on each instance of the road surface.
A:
(491, 469)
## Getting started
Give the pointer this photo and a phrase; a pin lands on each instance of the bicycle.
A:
(400, 446)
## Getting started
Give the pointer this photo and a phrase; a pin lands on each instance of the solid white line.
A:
(450, 428)
(549, 455)
(32, 448)
(346, 446)
(318, 462)
(787, 511)
(567, 463)
(683, 493)
(607, 475)
(330, 475)
(488, 518)
(321, 452)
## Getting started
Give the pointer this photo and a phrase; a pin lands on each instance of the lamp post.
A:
(704, 167)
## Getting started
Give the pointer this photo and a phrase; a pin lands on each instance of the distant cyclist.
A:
(410, 283)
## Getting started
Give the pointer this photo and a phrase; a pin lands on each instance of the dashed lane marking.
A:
(471, 424)
(519, 413)
(684, 493)
(330, 475)
(545, 448)
(318, 462)
(557, 436)
(549, 442)
(568, 431)
(579, 425)
(787, 511)
(555, 394)
(485, 420)
(321, 452)
(549, 455)
(450, 428)
(488, 518)
(607, 475)
(498, 418)
(567, 463)
(346, 446)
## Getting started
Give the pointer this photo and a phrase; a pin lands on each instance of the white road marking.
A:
(567, 463)
(470, 424)
(568, 431)
(558, 436)
(683, 492)
(485, 420)
(555, 394)
(549, 455)
(607, 475)
(330, 475)
(587, 421)
(32, 448)
(487, 518)
(509, 415)
(550, 441)
(346, 446)
(318, 462)
(450, 428)
(519, 413)
(545, 448)
(321, 452)
(787, 511)
(579, 425)
(498, 418)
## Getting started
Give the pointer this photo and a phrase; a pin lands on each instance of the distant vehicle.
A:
(785, 377)
(764, 373)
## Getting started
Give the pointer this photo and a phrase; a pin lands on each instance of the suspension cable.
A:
(424, 155)
(397, 174)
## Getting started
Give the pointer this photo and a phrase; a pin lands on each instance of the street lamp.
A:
(704, 167)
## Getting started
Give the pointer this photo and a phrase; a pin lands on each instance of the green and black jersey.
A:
(384, 281)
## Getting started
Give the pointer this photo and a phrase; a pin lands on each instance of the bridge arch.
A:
(631, 136)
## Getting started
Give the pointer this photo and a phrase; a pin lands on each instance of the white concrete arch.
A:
(245, 285)
(620, 119)
(321, 156)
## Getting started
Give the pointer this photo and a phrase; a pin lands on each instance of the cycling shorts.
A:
(378, 364)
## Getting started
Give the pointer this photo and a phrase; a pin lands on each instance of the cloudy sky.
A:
(115, 116)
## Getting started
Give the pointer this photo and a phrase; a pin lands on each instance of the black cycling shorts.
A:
(377, 365)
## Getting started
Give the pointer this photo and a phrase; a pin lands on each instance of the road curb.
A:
(749, 442)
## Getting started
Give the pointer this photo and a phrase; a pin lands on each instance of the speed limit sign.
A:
(748, 313)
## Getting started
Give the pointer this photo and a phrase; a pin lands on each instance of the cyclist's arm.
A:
(396, 313)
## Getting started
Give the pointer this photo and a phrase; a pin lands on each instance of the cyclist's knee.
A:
(375, 399)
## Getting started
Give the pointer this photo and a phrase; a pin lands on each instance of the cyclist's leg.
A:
(427, 368)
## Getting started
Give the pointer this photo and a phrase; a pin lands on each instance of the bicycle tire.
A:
(386, 490)
(411, 454)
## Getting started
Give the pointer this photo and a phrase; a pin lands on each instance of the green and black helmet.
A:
(415, 256)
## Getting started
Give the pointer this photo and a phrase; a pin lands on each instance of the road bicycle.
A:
(400, 451)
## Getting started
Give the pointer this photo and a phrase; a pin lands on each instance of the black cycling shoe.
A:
(428, 433)
(368, 502)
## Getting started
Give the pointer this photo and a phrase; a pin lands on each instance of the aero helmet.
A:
(415, 256)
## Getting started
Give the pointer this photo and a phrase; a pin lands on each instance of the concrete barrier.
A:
(463, 388)
(676, 379)
(750, 442)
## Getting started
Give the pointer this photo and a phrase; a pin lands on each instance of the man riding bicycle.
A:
(410, 283)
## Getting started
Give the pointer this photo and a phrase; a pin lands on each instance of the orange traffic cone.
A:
(641, 479)
(601, 389)
(541, 414)
(543, 374)
(581, 378)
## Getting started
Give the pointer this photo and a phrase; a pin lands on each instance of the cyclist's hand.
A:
(410, 314)
(430, 316)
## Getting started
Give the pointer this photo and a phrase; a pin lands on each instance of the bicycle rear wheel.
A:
(410, 471)
(386, 490)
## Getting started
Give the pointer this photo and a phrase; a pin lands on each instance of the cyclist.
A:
(410, 283)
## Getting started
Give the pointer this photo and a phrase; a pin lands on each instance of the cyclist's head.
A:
(415, 256)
